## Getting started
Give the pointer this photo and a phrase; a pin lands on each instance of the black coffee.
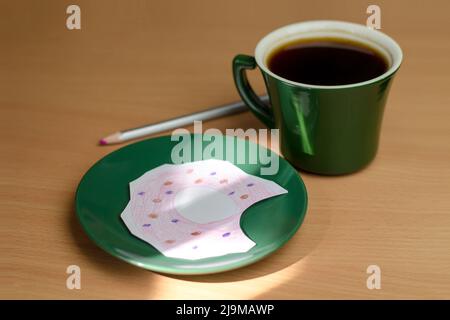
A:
(327, 62)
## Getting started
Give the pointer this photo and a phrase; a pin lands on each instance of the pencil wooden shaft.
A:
(233, 108)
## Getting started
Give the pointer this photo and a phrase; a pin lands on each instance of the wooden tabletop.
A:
(137, 62)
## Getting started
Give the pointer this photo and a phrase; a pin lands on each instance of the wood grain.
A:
(140, 61)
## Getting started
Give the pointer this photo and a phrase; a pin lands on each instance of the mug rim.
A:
(355, 31)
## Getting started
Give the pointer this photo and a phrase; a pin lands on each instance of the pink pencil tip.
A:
(103, 142)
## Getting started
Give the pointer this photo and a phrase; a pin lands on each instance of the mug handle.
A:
(240, 63)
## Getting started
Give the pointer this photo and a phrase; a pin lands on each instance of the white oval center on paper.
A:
(204, 205)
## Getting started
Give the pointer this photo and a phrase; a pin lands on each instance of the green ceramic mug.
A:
(328, 130)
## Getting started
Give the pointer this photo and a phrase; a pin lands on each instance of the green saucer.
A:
(104, 192)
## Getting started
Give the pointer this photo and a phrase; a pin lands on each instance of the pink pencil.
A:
(225, 110)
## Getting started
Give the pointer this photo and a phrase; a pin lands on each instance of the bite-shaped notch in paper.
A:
(193, 210)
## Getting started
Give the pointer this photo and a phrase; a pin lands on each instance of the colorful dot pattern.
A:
(160, 224)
